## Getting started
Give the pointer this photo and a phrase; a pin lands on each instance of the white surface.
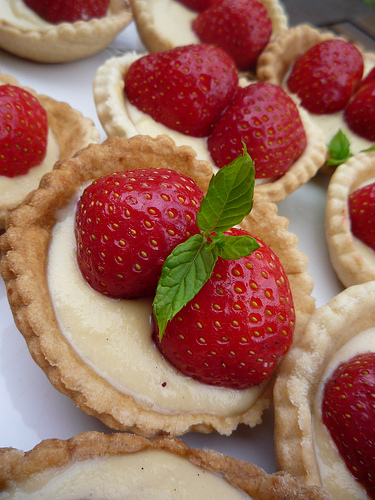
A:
(30, 408)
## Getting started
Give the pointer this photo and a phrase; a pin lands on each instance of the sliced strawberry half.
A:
(267, 120)
(360, 112)
(185, 88)
(362, 214)
(197, 5)
(348, 411)
(23, 131)
(127, 223)
(59, 11)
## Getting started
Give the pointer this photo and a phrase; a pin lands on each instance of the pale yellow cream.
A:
(152, 474)
(114, 338)
(335, 477)
(23, 184)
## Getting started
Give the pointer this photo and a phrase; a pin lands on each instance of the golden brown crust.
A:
(108, 88)
(71, 129)
(155, 38)
(66, 41)
(16, 465)
(329, 327)
(24, 263)
(353, 261)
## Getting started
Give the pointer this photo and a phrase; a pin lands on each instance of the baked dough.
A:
(71, 129)
(65, 42)
(24, 247)
(353, 261)
(330, 327)
(17, 466)
(116, 119)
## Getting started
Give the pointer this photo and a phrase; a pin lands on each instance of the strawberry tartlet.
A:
(99, 350)
(65, 137)
(24, 33)
(324, 398)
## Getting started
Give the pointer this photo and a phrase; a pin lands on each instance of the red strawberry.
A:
(240, 27)
(362, 214)
(69, 11)
(126, 225)
(235, 329)
(370, 77)
(266, 119)
(348, 411)
(185, 88)
(360, 112)
(197, 5)
(23, 131)
(326, 76)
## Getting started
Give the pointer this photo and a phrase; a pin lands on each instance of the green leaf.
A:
(229, 196)
(371, 148)
(184, 273)
(237, 247)
(339, 149)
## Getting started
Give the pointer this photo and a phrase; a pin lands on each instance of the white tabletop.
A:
(30, 408)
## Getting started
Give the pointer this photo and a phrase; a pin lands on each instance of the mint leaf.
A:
(339, 149)
(237, 246)
(185, 271)
(371, 148)
(229, 196)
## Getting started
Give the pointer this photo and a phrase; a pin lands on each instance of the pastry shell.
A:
(353, 261)
(155, 38)
(24, 247)
(16, 465)
(109, 96)
(65, 42)
(71, 129)
(328, 329)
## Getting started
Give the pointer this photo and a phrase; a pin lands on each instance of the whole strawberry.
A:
(233, 332)
(60, 11)
(326, 76)
(23, 131)
(362, 214)
(267, 120)
(240, 27)
(185, 88)
(360, 112)
(126, 225)
(348, 411)
(197, 5)
(223, 308)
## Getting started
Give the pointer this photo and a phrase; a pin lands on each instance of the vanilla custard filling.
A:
(23, 184)
(16, 12)
(335, 476)
(155, 474)
(113, 337)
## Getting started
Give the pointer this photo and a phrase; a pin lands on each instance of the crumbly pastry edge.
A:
(72, 130)
(328, 328)
(108, 90)
(155, 40)
(66, 42)
(346, 257)
(16, 465)
(23, 267)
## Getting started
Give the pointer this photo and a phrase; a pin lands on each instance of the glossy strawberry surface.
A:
(240, 27)
(233, 332)
(266, 119)
(185, 88)
(348, 411)
(23, 131)
(362, 214)
(360, 112)
(127, 223)
(326, 76)
(59, 11)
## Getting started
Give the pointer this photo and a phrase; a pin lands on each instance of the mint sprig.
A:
(228, 200)
(339, 149)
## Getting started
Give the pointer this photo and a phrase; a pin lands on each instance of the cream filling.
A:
(113, 337)
(16, 12)
(23, 184)
(336, 478)
(152, 474)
